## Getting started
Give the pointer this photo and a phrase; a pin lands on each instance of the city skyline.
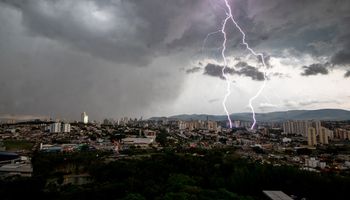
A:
(276, 116)
(120, 58)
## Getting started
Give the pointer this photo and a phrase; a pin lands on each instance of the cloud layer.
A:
(114, 58)
(243, 69)
(315, 69)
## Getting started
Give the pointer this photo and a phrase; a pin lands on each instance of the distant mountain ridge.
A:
(321, 114)
(4, 117)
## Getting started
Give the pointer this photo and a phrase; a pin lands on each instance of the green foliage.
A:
(46, 164)
(14, 145)
(134, 196)
(162, 138)
(177, 182)
(20, 188)
(214, 174)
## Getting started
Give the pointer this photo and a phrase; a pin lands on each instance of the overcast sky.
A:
(115, 58)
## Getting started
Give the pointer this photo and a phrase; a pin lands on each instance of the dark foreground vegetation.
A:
(204, 175)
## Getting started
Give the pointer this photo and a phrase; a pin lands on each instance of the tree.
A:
(162, 138)
(134, 196)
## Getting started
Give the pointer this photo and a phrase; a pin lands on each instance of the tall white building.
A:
(245, 124)
(311, 137)
(324, 135)
(198, 124)
(317, 126)
(55, 127)
(182, 125)
(296, 127)
(84, 118)
(58, 127)
(301, 127)
(65, 128)
(236, 124)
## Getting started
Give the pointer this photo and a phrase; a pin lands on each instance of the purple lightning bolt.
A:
(229, 16)
(228, 89)
(207, 37)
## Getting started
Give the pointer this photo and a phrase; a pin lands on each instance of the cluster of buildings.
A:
(312, 162)
(313, 130)
(241, 124)
(141, 142)
(342, 134)
(12, 164)
(58, 127)
(198, 124)
(269, 142)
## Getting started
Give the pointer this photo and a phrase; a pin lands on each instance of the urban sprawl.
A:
(320, 146)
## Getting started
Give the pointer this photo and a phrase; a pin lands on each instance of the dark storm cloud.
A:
(64, 57)
(347, 74)
(341, 58)
(243, 70)
(123, 31)
(193, 70)
(316, 27)
(216, 70)
(44, 76)
(241, 64)
(136, 33)
(315, 69)
(139, 30)
(249, 71)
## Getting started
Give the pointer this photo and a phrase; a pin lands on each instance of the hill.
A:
(322, 114)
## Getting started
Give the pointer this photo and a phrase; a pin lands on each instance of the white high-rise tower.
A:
(84, 118)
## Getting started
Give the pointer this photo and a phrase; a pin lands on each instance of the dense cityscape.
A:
(175, 99)
(307, 145)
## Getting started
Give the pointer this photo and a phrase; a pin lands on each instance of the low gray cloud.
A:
(267, 59)
(347, 74)
(213, 100)
(193, 70)
(280, 75)
(317, 102)
(267, 107)
(241, 64)
(341, 58)
(315, 69)
(243, 70)
(216, 70)
(311, 102)
(249, 71)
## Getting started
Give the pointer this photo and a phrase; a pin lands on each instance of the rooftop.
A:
(277, 195)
